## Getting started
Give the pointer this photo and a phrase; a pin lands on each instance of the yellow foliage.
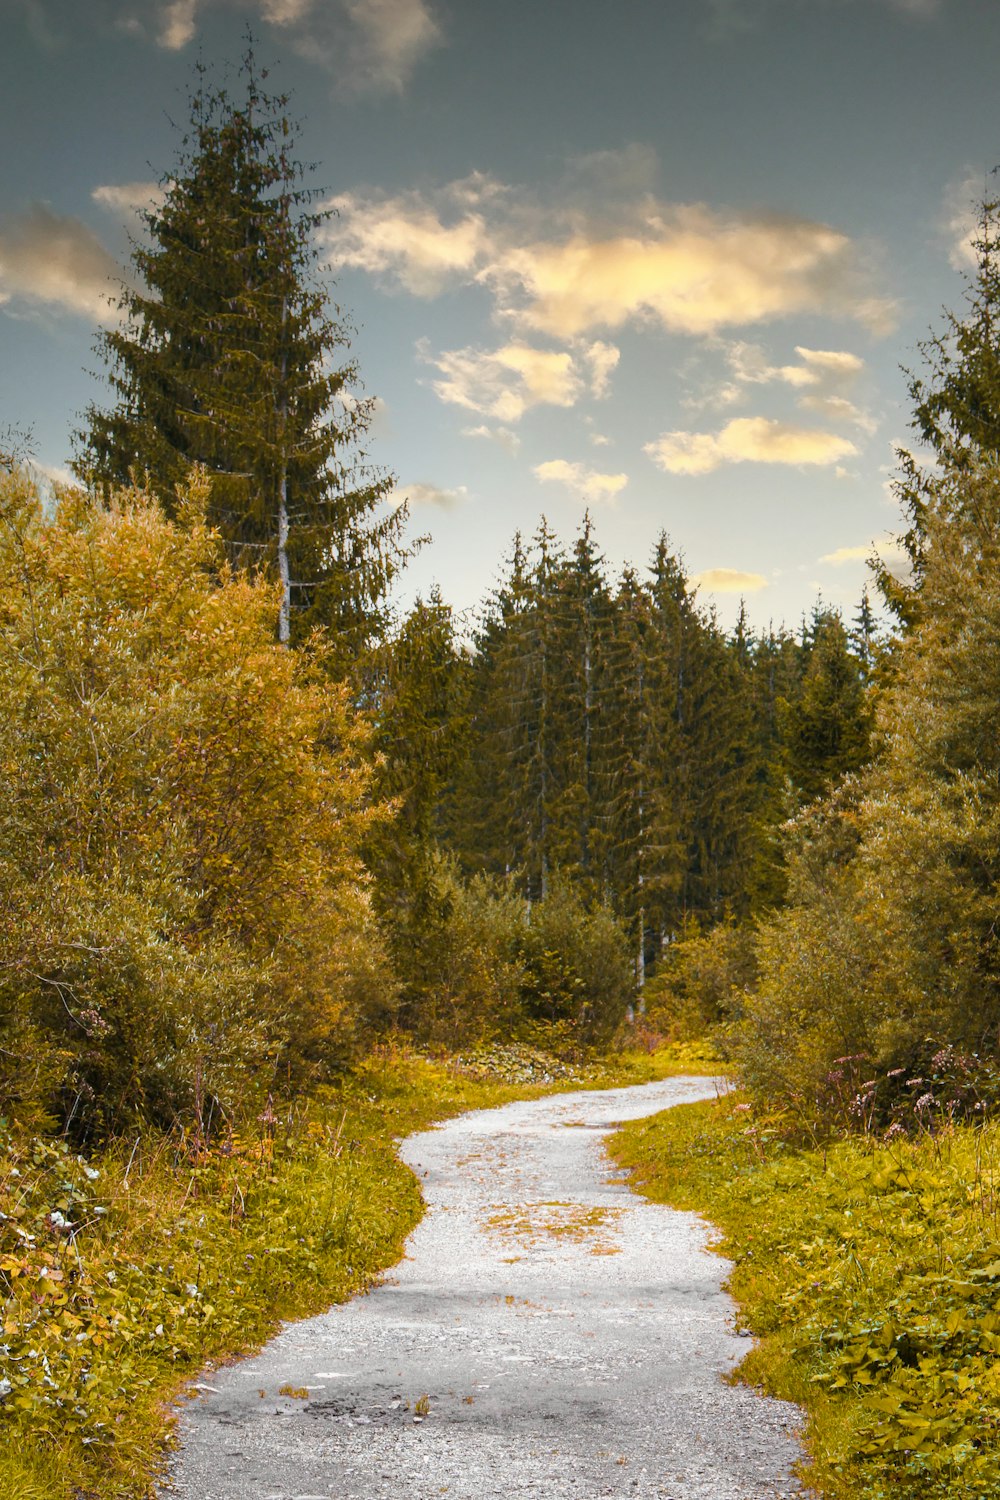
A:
(182, 902)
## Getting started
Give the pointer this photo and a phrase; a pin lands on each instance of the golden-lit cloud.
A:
(587, 485)
(506, 382)
(433, 495)
(57, 261)
(730, 581)
(689, 269)
(889, 551)
(558, 270)
(747, 440)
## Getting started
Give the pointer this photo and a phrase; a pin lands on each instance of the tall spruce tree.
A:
(230, 357)
(956, 404)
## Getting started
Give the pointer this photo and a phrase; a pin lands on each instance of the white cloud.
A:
(502, 435)
(561, 270)
(820, 378)
(128, 197)
(404, 239)
(504, 384)
(434, 495)
(366, 44)
(747, 440)
(730, 581)
(599, 440)
(177, 24)
(601, 359)
(586, 484)
(839, 409)
(961, 219)
(390, 39)
(57, 261)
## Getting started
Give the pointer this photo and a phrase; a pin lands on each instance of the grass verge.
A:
(868, 1272)
(123, 1274)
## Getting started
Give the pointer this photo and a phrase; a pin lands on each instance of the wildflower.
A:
(926, 1101)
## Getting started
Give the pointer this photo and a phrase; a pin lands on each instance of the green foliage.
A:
(869, 1271)
(121, 1274)
(482, 963)
(182, 905)
(229, 358)
(701, 980)
(578, 977)
(956, 407)
(888, 948)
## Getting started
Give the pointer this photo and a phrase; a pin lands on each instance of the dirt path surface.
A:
(547, 1334)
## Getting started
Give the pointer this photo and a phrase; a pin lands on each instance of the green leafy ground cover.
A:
(870, 1272)
(121, 1275)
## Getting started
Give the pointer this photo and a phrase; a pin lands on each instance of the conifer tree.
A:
(229, 357)
(956, 404)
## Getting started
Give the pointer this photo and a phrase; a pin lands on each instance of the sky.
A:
(665, 260)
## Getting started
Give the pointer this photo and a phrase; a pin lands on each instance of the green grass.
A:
(869, 1272)
(180, 1260)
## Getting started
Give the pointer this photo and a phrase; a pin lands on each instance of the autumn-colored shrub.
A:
(182, 905)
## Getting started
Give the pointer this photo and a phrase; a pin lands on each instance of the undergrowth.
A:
(121, 1275)
(869, 1271)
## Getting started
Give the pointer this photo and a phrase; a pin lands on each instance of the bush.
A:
(578, 973)
(480, 963)
(700, 980)
(181, 803)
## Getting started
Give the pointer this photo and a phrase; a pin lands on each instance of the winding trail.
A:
(568, 1337)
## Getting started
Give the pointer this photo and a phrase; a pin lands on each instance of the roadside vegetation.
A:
(867, 1269)
(128, 1270)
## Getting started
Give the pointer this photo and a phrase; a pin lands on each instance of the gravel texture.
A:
(547, 1333)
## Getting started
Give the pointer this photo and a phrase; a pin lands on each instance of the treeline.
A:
(604, 738)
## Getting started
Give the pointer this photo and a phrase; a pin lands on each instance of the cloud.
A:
(403, 239)
(58, 262)
(599, 440)
(505, 383)
(890, 552)
(601, 359)
(559, 268)
(839, 409)
(586, 484)
(502, 435)
(177, 24)
(367, 44)
(730, 581)
(820, 378)
(128, 197)
(847, 555)
(747, 440)
(432, 494)
(391, 36)
(961, 219)
(689, 269)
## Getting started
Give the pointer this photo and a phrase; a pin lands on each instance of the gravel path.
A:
(562, 1336)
